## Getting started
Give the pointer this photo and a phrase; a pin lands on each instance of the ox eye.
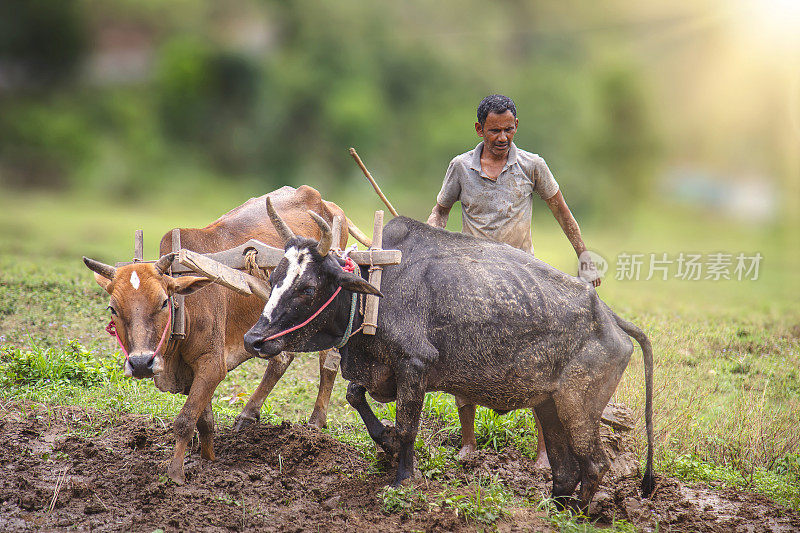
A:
(308, 291)
(113, 311)
(164, 305)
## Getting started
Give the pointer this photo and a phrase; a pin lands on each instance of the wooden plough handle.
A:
(375, 274)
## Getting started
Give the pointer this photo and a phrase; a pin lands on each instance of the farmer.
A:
(495, 183)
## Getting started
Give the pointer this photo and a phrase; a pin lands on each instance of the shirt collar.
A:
(476, 158)
(512, 156)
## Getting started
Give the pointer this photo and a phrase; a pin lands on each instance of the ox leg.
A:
(198, 400)
(328, 367)
(541, 448)
(251, 413)
(385, 437)
(411, 384)
(565, 468)
(205, 426)
(466, 415)
(583, 429)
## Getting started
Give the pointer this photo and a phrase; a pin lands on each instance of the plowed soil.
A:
(55, 476)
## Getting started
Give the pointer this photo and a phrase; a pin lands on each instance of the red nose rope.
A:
(111, 328)
(349, 266)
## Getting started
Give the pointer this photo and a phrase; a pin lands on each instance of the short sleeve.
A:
(545, 184)
(451, 188)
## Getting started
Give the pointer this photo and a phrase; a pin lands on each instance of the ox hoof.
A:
(409, 479)
(242, 421)
(466, 452)
(176, 476)
(542, 462)
(390, 441)
(569, 503)
(318, 420)
(407, 482)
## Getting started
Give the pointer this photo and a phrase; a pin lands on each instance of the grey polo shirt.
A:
(497, 210)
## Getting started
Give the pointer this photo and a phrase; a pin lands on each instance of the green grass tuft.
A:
(485, 500)
(73, 365)
(569, 521)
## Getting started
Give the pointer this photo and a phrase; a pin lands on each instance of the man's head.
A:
(497, 123)
(495, 103)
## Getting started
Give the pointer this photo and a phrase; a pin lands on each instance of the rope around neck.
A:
(348, 332)
(349, 266)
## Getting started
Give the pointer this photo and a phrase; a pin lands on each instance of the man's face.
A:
(497, 132)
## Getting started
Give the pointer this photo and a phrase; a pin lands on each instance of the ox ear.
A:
(104, 282)
(186, 285)
(354, 283)
(103, 273)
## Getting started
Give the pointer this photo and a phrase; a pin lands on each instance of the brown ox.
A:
(215, 318)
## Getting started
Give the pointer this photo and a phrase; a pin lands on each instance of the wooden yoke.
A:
(375, 274)
(226, 268)
(179, 320)
(336, 231)
(224, 275)
(138, 246)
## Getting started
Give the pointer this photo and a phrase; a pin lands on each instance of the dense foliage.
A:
(273, 93)
(72, 365)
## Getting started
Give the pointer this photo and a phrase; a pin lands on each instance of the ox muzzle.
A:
(144, 365)
(256, 343)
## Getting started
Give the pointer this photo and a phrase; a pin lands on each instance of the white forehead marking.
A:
(297, 265)
(135, 280)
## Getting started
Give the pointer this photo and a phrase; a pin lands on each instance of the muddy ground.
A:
(54, 477)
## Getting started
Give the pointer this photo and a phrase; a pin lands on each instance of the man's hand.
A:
(588, 271)
(439, 216)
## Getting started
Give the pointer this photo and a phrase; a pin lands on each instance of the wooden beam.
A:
(336, 232)
(224, 275)
(269, 257)
(179, 323)
(375, 274)
(377, 257)
(138, 246)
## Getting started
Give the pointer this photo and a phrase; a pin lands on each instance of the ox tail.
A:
(648, 481)
(358, 234)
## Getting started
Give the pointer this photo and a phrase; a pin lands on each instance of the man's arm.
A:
(439, 216)
(568, 224)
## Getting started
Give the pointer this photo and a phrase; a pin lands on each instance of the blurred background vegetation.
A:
(141, 100)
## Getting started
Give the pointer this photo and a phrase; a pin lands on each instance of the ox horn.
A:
(164, 263)
(326, 239)
(107, 271)
(284, 231)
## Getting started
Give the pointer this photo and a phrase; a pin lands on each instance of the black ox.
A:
(473, 318)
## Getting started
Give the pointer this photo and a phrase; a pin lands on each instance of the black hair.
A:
(495, 103)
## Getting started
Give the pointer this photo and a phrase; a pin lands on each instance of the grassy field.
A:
(727, 352)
